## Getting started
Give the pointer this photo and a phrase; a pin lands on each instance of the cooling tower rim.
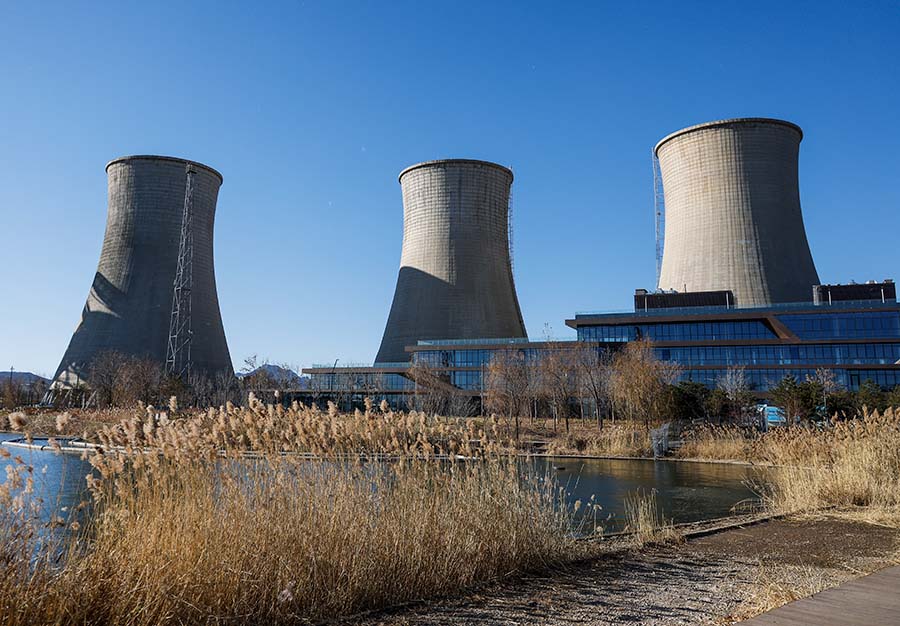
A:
(153, 157)
(455, 162)
(728, 122)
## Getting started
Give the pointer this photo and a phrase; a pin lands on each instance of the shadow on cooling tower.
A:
(426, 307)
(129, 304)
(106, 321)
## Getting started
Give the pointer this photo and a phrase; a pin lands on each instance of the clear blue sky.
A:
(311, 109)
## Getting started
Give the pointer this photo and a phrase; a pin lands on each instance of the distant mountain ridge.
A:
(280, 375)
(21, 378)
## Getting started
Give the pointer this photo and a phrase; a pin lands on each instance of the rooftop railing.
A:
(346, 366)
(490, 341)
(777, 308)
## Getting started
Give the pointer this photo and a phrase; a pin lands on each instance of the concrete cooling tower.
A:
(455, 277)
(129, 306)
(732, 212)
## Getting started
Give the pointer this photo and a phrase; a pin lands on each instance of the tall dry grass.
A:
(777, 585)
(846, 463)
(718, 443)
(76, 422)
(645, 521)
(624, 439)
(855, 463)
(189, 528)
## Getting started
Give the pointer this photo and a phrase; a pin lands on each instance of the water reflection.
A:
(59, 488)
(687, 492)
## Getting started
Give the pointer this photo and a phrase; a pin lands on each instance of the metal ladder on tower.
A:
(178, 350)
(659, 214)
(509, 236)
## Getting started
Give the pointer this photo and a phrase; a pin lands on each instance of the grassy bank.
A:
(853, 465)
(187, 528)
(624, 438)
(70, 423)
(192, 532)
(617, 438)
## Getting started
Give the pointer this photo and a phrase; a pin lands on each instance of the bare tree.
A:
(255, 378)
(137, 380)
(36, 390)
(507, 385)
(559, 375)
(200, 390)
(432, 390)
(536, 389)
(373, 384)
(640, 382)
(736, 386)
(594, 375)
(828, 382)
(11, 393)
(102, 375)
(283, 378)
(318, 388)
(224, 387)
(461, 405)
(123, 380)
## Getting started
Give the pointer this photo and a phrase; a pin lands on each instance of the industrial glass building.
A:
(736, 283)
(856, 339)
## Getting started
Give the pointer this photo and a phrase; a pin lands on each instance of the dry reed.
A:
(777, 585)
(615, 439)
(188, 528)
(855, 463)
(847, 463)
(717, 443)
(72, 422)
(645, 521)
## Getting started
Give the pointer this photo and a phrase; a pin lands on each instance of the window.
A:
(470, 380)
(677, 331)
(873, 324)
(816, 354)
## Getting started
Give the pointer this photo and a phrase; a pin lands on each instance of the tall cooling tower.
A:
(732, 212)
(455, 277)
(130, 302)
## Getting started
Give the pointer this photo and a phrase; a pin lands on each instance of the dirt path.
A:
(706, 581)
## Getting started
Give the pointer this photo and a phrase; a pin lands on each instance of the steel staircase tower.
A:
(178, 351)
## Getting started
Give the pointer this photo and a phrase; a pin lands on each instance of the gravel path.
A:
(705, 581)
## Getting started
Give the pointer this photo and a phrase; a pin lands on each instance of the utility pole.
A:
(482, 386)
(331, 380)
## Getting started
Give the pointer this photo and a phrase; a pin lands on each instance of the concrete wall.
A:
(130, 301)
(733, 217)
(455, 277)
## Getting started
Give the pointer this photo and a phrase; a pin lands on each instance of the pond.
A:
(686, 492)
(59, 479)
